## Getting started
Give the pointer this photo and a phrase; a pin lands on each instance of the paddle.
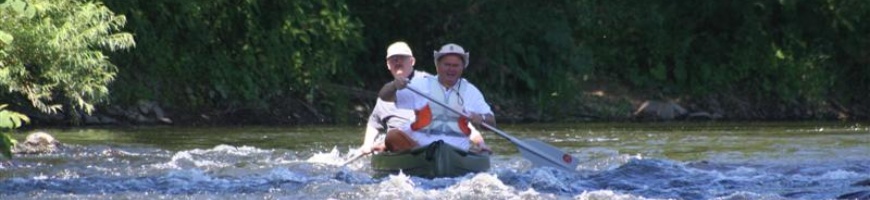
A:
(357, 157)
(354, 159)
(538, 152)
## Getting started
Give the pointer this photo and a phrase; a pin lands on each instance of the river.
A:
(794, 160)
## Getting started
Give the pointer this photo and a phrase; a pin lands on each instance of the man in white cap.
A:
(434, 122)
(385, 115)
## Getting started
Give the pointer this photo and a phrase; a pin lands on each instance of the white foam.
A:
(398, 186)
(67, 174)
(479, 186)
(221, 156)
(184, 159)
(332, 157)
(482, 185)
(839, 174)
(241, 151)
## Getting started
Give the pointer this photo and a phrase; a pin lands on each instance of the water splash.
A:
(333, 157)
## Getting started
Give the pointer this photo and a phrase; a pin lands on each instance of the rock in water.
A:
(37, 143)
(658, 110)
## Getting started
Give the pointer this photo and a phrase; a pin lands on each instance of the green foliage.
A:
(207, 55)
(540, 52)
(198, 56)
(523, 50)
(8, 121)
(6, 145)
(249, 56)
(52, 48)
(773, 49)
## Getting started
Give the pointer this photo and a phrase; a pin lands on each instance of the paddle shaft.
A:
(354, 159)
(360, 155)
(510, 138)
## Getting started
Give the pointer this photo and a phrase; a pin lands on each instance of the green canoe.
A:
(435, 160)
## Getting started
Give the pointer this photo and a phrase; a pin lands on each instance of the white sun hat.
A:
(452, 49)
(399, 48)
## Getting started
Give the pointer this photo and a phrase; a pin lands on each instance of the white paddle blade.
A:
(542, 154)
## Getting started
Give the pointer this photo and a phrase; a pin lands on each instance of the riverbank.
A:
(595, 102)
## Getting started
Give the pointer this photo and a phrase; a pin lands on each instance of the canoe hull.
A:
(435, 160)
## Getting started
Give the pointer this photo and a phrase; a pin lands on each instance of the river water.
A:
(806, 160)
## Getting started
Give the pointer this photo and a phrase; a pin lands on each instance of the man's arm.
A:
(369, 139)
(388, 92)
(479, 110)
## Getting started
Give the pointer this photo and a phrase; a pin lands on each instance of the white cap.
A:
(452, 49)
(399, 48)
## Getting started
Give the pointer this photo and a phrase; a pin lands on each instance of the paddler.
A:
(400, 62)
(434, 122)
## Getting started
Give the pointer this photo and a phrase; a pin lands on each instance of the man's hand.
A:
(477, 144)
(364, 150)
(380, 147)
(477, 119)
(476, 139)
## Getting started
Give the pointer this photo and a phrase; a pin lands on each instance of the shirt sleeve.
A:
(375, 117)
(475, 101)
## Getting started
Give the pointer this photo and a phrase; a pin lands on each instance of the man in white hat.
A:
(434, 122)
(385, 115)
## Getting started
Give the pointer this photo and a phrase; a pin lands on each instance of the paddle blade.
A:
(542, 154)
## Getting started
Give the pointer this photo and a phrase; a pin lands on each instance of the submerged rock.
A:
(659, 110)
(37, 143)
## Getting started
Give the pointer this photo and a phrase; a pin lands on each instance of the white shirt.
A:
(471, 98)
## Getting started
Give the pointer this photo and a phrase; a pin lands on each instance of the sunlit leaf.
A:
(780, 54)
(10, 120)
(5, 37)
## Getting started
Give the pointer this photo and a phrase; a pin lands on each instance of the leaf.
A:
(10, 120)
(6, 144)
(780, 54)
(5, 38)
(21, 8)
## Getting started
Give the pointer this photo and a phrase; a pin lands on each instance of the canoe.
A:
(435, 160)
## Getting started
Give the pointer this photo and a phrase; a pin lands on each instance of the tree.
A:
(51, 51)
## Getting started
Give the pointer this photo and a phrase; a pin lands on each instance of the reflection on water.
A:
(619, 161)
